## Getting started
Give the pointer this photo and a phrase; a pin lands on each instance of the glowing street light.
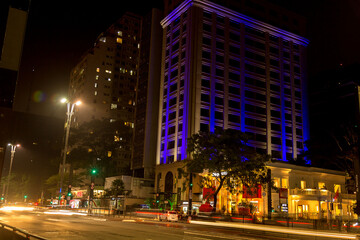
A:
(13, 149)
(69, 114)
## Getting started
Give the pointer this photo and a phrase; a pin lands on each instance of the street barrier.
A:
(13, 233)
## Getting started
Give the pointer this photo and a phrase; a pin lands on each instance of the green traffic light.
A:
(94, 171)
(25, 196)
(69, 194)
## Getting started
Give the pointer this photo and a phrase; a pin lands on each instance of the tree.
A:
(226, 156)
(51, 184)
(97, 144)
(117, 188)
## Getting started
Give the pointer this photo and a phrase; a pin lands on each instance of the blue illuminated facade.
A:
(222, 69)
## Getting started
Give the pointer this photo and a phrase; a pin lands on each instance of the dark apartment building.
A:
(119, 79)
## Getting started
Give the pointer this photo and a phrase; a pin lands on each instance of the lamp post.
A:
(69, 114)
(13, 149)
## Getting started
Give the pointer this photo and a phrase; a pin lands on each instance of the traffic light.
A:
(93, 171)
(191, 184)
(25, 196)
(69, 194)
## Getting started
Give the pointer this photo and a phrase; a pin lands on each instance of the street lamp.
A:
(13, 149)
(69, 114)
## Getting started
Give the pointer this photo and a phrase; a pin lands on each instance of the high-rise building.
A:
(224, 69)
(105, 78)
(147, 96)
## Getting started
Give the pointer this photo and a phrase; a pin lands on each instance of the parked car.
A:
(169, 216)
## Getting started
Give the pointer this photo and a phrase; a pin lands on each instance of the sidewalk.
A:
(280, 229)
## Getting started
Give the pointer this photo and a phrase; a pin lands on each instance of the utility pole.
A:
(13, 149)
(356, 160)
(190, 194)
(69, 114)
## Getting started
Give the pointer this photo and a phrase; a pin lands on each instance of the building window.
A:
(204, 127)
(337, 188)
(276, 182)
(285, 183)
(303, 184)
(119, 40)
(204, 112)
(321, 185)
(97, 70)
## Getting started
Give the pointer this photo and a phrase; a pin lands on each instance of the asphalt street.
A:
(62, 224)
(81, 227)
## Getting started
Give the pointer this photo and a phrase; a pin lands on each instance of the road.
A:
(66, 225)
(80, 227)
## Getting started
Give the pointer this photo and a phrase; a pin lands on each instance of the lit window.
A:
(97, 77)
(95, 93)
(119, 40)
(113, 106)
(285, 183)
(132, 125)
(109, 154)
(97, 69)
(109, 79)
(303, 184)
(337, 188)
(112, 120)
(321, 185)
(120, 33)
(103, 39)
(90, 150)
(138, 45)
(276, 182)
(116, 139)
(131, 72)
(107, 71)
(130, 102)
(96, 85)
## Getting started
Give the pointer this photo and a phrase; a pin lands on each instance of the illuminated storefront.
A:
(301, 192)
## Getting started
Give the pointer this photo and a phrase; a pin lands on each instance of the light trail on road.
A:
(278, 229)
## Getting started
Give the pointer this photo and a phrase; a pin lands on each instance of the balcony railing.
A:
(311, 192)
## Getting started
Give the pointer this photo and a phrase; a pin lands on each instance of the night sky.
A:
(58, 34)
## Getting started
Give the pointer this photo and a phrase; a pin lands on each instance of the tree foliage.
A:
(117, 188)
(96, 144)
(51, 184)
(226, 156)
